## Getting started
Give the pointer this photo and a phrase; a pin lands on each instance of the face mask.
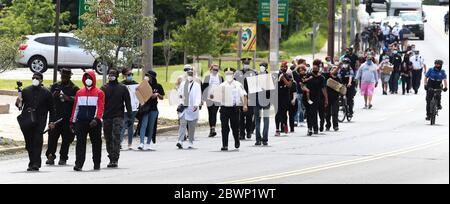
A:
(146, 78)
(369, 62)
(229, 78)
(190, 78)
(88, 82)
(438, 68)
(315, 72)
(246, 67)
(262, 69)
(345, 66)
(112, 78)
(35, 82)
(129, 78)
(395, 52)
(386, 60)
(214, 73)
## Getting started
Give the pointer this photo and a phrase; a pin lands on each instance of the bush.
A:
(8, 54)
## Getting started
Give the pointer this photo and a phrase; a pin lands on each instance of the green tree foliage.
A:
(8, 54)
(128, 28)
(27, 17)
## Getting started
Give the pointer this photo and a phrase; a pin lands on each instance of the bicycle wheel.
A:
(342, 114)
(433, 112)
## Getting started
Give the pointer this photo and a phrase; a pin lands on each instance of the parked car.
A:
(37, 53)
(415, 23)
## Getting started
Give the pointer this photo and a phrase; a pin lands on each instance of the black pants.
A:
(406, 84)
(212, 113)
(34, 140)
(351, 93)
(322, 113)
(332, 113)
(430, 95)
(82, 129)
(312, 112)
(61, 130)
(292, 112)
(111, 129)
(281, 116)
(416, 80)
(246, 122)
(229, 116)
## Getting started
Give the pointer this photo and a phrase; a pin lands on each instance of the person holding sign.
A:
(262, 110)
(332, 110)
(385, 70)
(148, 113)
(233, 96)
(246, 122)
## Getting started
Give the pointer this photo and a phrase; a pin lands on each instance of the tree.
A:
(27, 17)
(203, 34)
(8, 54)
(168, 52)
(112, 27)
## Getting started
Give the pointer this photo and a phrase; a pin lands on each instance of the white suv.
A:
(37, 53)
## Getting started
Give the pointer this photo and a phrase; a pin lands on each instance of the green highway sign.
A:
(264, 12)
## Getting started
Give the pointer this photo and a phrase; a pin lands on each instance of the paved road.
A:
(390, 144)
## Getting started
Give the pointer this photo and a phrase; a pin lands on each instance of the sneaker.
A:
(113, 165)
(179, 145)
(96, 167)
(258, 143)
(224, 149)
(237, 144)
(265, 144)
(141, 147)
(277, 134)
(62, 162)
(370, 106)
(191, 145)
(310, 102)
(321, 128)
(366, 107)
(310, 132)
(50, 162)
(336, 129)
(147, 147)
(327, 129)
(249, 136)
(76, 168)
(130, 147)
(439, 107)
(316, 132)
(428, 118)
(286, 129)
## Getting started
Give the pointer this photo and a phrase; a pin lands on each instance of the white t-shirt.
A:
(386, 30)
(417, 62)
(396, 31)
(233, 94)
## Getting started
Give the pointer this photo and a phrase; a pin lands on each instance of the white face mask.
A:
(35, 82)
(262, 69)
(112, 78)
(345, 65)
(246, 67)
(229, 78)
(88, 82)
(146, 78)
(190, 78)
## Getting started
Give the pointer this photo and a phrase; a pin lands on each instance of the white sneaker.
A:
(310, 102)
(130, 147)
(191, 145)
(141, 146)
(147, 147)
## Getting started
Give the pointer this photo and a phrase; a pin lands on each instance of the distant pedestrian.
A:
(419, 69)
(446, 23)
(211, 82)
(131, 85)
(367, 76)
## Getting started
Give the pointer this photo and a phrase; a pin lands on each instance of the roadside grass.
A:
(300, 42)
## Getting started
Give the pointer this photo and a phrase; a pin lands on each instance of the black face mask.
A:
(316, 72)
(438, 68)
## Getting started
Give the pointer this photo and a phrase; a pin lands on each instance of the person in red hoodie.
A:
(86, 119)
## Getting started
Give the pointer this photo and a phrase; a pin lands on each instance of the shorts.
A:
(385, 77)
(367, 89)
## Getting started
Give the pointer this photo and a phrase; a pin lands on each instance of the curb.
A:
(8, 93)
(14, 150)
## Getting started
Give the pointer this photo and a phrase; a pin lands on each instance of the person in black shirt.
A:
(284, 85)
(116, 95)
(396, 60)
(333, 103)
(246, 119)
(63, 98)
(36, 102)
(318, 94)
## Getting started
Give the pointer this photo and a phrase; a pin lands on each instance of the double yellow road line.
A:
(339, 164)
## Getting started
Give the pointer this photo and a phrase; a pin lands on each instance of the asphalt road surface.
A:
(390, 144)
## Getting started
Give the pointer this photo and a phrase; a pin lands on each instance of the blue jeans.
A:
(148, 126)
(262, 113)
(300, 117)
(129, 128)
(393, 82)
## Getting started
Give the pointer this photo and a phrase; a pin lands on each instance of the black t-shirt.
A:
(396, 60)
(315, 86)
(353, 59)
(63, 109)
(153, 103)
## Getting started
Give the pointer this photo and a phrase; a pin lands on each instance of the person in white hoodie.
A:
(190, 94)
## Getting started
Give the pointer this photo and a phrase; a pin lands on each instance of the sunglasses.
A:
(36, 78)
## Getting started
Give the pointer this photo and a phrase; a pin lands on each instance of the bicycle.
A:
(434, 109)
(344, 110)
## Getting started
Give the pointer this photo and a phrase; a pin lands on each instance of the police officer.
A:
(396, 60)
(433, 80)
(246, 120)
(63, 98)
(234, 97)
(419, 67)
(36, 102)
(347, 76)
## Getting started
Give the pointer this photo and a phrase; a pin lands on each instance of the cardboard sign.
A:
(143, 92)
(338, 87)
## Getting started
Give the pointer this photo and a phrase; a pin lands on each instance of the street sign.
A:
(106, 16)
(83, 7)
(264, 12)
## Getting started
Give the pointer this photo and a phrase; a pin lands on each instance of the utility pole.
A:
(57, 22)
(353, 22)
(274, 35)
(344, 25)
(148, 43)
(331, 27)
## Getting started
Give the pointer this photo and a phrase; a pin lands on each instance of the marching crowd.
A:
(302, 92)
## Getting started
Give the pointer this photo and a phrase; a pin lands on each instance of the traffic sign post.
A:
(264, 12)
